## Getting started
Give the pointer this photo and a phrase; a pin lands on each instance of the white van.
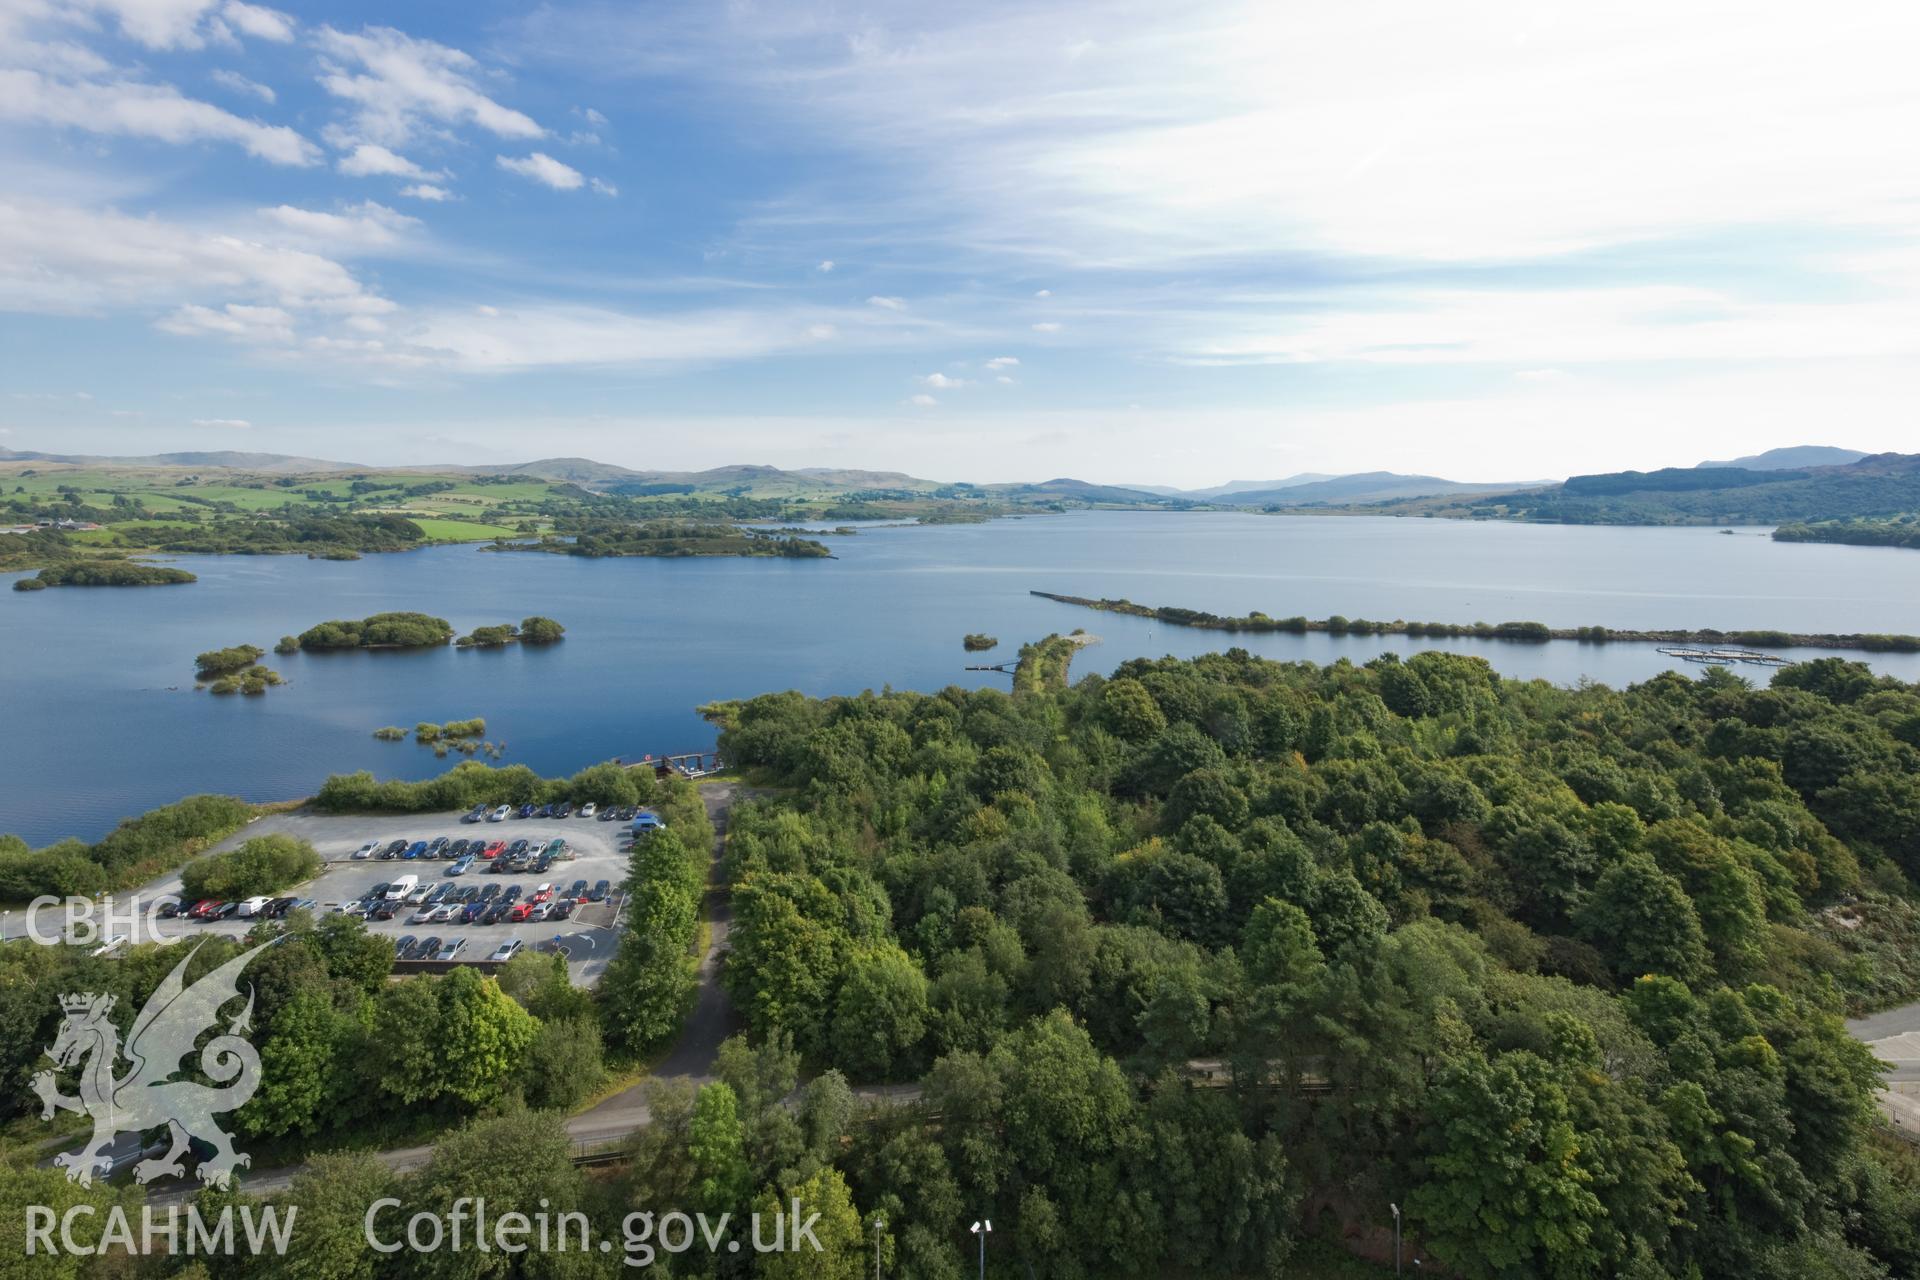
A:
(251, 907)
(399, 889)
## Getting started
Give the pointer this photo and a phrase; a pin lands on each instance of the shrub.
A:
(976, 642)
(487, 637)
(288, 644)
(390, 733)
(380, 631)
(539, 630)
(264, 864)
(224, 662)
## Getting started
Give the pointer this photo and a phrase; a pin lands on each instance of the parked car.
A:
(561, 909)
(393, 850)
(544, 811)
(541, 893)
(383, 910)
(499, 815)
(564, 809)
(415, 850)
(225, 911)
(427, 948)
(488, 892)
(418, 895)
(599, 891)
(304, 904)
(460, 848)
(511, 896)
(472, 912)
(559, 848)
(170, 909)
(589, 809)
(524, 811)
(423, 916)
(577, 891)
(541, 863)
(452, 949)
(646, 822)
(493, 850)
(366, 850)
(460, 867)
(507, 950)
(495, 913)
(438, 894)
(403, 946)
(519, 913)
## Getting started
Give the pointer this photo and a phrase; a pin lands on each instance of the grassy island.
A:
(978, 643)
(1526, 632)
(1903, 531)
(104, 573)
(381, 631)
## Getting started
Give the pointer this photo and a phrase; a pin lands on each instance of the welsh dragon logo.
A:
(147, 1096)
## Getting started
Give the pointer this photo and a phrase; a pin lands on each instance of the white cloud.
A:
(398, 85)
(1043, 293)
(602, 187)
(544, 169)
(826, 265)
(240, 84)
(593, 117)
(134, 109)
(1004, 380)
(1048, 326)
(941, 381)
(924, 401)
(368, 159)
(364, 226)
(235, 320)
(886, 303)
(258, 21)
(1544, 328)
(1003, 362)
(57, 259)
(229, 424)
(426, 191)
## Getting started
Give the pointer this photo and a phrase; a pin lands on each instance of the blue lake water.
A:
(99, 719)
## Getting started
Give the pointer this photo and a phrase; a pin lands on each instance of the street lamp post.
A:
(983, 1229)
(879, 1225)
(1396, 1237)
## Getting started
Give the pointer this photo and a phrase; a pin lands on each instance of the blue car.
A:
(474, 910)
(418, 849)
(524, 811)
(459, 867)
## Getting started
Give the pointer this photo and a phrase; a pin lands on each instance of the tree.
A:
(718, 1149)
(333, 1192)
(843, 1247)
(563, 1065)
(1129, 711)
(298, 1068)
(1642, 920)
(880, 1013)
(491, 1032)
(1508, 1187)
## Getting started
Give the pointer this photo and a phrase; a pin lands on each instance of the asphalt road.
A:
(1894, 1037)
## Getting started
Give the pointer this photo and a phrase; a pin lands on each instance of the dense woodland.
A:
(1189, 971)
(601, 538)
(1882, 485)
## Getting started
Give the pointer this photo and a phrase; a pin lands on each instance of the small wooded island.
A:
(380, 631)
(104, 573)
(534, 630)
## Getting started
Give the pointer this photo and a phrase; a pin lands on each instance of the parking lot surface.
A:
(588, 936)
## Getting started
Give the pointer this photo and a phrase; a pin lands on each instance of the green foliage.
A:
(104, 573)
(136, 851)
(221, 662)
(381, 631)
(978, 642)
(264, 864)
(539, 630)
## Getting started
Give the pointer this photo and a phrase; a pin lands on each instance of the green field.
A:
(461, 530)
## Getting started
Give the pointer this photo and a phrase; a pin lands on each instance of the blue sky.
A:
(1123, 241)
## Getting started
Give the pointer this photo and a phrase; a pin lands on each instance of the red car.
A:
(494, 850)
(201, 908)
(541, 894)
(521, 910)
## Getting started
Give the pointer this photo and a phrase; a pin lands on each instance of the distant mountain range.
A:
(1799, 455)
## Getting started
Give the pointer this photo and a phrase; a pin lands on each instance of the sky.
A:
(1126, 242)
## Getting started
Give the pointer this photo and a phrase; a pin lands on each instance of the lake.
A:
(101, 721)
